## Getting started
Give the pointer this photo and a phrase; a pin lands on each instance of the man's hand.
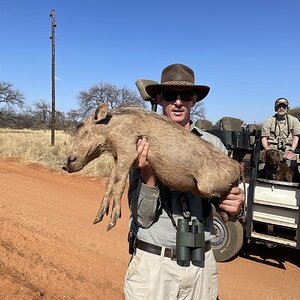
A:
(289, 155)
(233, 201)
(147, 174)
(142, 153)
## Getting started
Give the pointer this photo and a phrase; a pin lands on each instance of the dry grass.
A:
(34, 146)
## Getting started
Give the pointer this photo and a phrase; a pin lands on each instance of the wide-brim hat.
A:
(179, 76)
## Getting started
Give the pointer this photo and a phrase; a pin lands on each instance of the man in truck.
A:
(281, 131)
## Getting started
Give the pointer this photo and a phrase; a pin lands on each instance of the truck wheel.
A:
(229, 238)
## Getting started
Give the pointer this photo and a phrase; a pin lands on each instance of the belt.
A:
(154, 249)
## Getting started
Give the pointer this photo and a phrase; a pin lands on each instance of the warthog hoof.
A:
(115, 215)
(97, 219)
(102, 211)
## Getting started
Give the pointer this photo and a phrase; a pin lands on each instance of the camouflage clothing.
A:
(280, 132)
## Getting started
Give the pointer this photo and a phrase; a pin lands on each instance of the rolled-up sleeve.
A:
(144, 201)
(266, 128)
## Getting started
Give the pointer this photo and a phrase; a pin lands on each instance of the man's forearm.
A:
(295, 143)
(147, 176)
(264, 142)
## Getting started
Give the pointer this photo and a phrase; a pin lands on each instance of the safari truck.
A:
(271, 214)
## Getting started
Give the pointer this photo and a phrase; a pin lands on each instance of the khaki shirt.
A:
(281, 130)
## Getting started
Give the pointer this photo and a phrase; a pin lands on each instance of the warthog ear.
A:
(101, 112)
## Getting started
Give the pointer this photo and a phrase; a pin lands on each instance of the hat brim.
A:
(155, 89)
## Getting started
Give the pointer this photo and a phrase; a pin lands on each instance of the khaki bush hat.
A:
(177, 75)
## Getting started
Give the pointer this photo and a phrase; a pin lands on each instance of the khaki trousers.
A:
(151, 276)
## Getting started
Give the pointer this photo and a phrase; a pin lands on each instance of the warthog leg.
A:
(104, 207)
(114, 190)
(118, 191)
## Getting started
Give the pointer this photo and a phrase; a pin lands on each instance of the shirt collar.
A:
(195, 129)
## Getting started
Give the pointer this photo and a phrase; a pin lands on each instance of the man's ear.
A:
(159, 100)
(194, 100)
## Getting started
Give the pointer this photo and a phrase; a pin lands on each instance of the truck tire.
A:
(229, 238)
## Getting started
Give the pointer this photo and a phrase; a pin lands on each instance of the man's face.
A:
(281, 109)
(177, 104)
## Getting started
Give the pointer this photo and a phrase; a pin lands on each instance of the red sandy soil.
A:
(49, 248)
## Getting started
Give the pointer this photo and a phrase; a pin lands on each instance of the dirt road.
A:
(49, 248)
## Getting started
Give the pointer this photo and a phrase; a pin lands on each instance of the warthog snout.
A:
(70, 160)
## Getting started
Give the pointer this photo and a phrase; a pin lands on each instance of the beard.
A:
(280, 115)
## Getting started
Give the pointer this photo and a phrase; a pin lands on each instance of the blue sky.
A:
(248, 52)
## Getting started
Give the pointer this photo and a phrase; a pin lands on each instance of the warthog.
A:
(180, 159)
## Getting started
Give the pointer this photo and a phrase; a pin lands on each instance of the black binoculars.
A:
(281, 144)
(190, 243)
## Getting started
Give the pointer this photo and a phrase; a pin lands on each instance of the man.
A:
(155, 271)
(281, 131)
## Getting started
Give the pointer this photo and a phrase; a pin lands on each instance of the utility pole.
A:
(53, 119)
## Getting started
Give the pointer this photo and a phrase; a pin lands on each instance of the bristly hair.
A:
(138, 111)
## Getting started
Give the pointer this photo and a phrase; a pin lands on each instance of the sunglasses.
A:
(171, 96)
(281, 106)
